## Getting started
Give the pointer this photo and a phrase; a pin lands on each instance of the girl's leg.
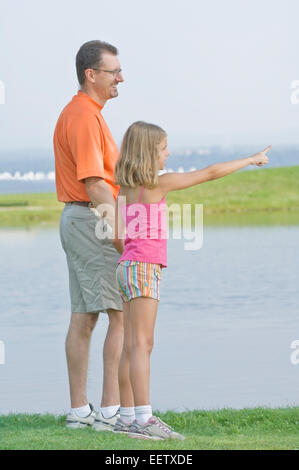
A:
(143, 312)
(125, 389)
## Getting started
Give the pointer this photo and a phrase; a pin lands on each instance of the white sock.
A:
(109, 411)
(82, 412)
(143, 413)
(127, 414)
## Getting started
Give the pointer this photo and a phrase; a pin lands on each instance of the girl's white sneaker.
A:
(155, 429)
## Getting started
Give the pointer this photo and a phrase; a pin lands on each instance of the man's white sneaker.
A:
(105, 424)
(76, 422)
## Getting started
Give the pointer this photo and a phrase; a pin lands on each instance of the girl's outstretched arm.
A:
(174, 181)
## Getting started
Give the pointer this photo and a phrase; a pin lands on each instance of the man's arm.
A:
(101, 197)
(99, 191)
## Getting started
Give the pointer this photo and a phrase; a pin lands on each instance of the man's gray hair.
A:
(90, 55)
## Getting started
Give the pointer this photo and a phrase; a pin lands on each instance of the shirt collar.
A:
(86, 97)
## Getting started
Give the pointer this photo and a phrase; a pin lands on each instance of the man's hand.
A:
(118, 245)
(104, 204)
(102, 199)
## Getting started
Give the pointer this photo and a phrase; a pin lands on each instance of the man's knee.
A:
(83, 323)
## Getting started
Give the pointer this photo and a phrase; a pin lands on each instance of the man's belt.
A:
(81, 203)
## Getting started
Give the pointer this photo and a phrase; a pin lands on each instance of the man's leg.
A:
(77, 353)
(111, 356)
(106, 418)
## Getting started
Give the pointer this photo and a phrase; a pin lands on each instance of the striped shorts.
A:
(138, 279)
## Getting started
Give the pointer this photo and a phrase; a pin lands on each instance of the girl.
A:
(143, 153)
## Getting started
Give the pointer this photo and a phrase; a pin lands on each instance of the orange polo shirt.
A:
(83, 147)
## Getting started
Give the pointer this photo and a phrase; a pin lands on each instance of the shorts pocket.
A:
(157, 272)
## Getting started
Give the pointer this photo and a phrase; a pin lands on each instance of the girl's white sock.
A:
(143, 413)
(82, 412)
(127, 414)
(109, 411)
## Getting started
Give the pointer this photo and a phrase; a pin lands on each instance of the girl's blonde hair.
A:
(139, 155)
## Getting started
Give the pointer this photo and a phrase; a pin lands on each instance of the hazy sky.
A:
(209, 72)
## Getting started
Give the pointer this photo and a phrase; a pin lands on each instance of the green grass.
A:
(269, 189)
(267, 196)
(251, 429)
(38, 209)
(13, 203)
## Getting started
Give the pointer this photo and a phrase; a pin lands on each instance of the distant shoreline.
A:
(267, 196)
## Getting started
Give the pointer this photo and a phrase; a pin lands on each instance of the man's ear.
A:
(90, 75)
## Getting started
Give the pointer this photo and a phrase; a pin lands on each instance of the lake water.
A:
(227, 317)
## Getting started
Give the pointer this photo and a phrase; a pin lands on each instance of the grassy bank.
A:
(255, 428)
(267, 189)
(262, 196)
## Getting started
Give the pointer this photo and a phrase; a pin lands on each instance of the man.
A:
(85, 157)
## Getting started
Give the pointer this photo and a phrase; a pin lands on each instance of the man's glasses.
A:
(113, 72)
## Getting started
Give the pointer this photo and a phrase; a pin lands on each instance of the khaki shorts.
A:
(91, 262)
